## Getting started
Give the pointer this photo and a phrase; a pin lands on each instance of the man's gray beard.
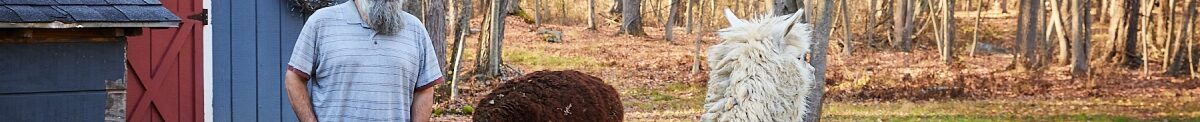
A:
(385, 16)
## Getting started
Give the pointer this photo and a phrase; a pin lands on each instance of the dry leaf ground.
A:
(656, 81)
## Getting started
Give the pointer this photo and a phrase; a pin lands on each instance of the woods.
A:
(866, 49)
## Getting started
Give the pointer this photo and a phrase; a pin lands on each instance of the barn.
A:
(251, 42)
(67, 60)
(218, 60)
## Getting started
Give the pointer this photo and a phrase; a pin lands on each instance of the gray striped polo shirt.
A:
(357, 74)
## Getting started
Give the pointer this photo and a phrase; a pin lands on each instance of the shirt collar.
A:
(350, 13)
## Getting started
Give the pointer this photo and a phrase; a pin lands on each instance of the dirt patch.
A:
(552, 96)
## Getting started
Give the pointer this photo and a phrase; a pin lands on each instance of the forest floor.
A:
(656, 81)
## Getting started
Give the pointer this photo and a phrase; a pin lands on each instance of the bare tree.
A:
(1057, 28)
(1083, 37)
(435, 24)
(1180, 60)
(691, 14)
(462, 17)
(784, 7)
(978, 22)
(870, 31)
(820, 51)
(1003, 6)
(846, 38)
(490, 68)
(631, 20)
(948, 40)
(671, 18)
(1132, 58)
(591, 15)
(1027, 33)
(902, 24)
(1122, 45)
(537, 11)
(416, 9)
(616, 7)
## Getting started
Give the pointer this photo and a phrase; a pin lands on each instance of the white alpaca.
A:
(758, 74)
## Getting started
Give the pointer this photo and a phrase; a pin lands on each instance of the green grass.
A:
(539, 60)
(674, 96)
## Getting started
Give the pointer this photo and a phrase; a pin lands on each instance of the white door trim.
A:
(208, 68)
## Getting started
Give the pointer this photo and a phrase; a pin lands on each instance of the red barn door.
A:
(165, 69)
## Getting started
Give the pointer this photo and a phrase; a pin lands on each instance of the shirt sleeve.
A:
(303, 61)
(430, 71)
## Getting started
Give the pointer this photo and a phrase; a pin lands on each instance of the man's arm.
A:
(298, 94)
(422, 108)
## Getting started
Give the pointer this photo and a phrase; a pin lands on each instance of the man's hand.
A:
(422, 108)
(298, 93)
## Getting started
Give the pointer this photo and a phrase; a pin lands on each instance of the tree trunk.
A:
(537, 14)
(671, 18)
(1147, 12)
(435, 24)
(415, 8)
(699, 11)
(490, 67)
(1021, 60)
(870, 31)
(1132, 59)
(1027, 34)
(1043, 46)
(948, 48)
(1169, 25)
(616, 7)
(1182, 61)
(1003, 6)
(591, 15)
(1059, 29)
(1083, 37)
(461, 26)
(497, 40)
(631, 20)
(820, 52)
(562, 12)
(511, 7)
(1108, 50)
(898, 14)
(1122, 48)
(653, 10)
(691, 14)
(846, 38)
(902, 19)
(975, 33)
(783, 7)
(484, 39)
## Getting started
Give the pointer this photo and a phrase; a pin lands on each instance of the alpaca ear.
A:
(793, 18)
(799, 12)
(733, 20)
(791, 22)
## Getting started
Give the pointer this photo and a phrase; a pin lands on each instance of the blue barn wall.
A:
(252, 41)
(58, 82)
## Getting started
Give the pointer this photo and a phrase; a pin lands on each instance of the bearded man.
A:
(362, 60)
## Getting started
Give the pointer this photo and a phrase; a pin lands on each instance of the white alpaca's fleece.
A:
(758, 72)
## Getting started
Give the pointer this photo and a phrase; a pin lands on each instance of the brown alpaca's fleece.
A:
(552, 96)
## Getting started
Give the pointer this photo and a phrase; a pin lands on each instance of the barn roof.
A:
(84, 14)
